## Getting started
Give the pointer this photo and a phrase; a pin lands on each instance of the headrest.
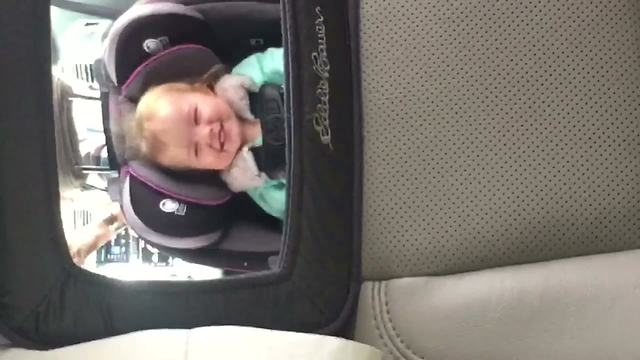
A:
(186, 222)
(180, 63)
(168, 221)
(198, 187)
(145, 30)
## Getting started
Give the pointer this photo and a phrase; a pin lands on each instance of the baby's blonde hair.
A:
(142, 142)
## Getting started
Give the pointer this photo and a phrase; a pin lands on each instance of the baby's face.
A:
(199, 131)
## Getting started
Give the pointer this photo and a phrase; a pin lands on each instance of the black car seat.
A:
(192, 215)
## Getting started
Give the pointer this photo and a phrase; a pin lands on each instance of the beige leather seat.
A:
(215, 342)
(501, 179)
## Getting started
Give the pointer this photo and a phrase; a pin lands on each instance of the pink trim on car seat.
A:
(154, 59)
(134, 13)
(128, 170)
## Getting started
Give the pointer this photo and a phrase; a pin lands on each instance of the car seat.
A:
(192, 215)
(501, 205)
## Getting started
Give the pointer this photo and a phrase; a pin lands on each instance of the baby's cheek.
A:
(228, 161)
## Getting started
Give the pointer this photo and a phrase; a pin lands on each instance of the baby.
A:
(208, 126)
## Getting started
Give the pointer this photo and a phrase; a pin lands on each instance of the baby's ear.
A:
(133, 140)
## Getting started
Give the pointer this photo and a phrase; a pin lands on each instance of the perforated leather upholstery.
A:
(501, 147)
(498, 133)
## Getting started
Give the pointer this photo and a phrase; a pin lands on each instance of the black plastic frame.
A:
(46, 301)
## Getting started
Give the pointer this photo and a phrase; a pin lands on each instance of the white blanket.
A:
(208, 343)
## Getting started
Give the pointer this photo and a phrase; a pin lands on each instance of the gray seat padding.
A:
(579, 308)
(498, 134)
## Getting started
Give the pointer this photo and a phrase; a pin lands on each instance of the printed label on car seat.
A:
(321, 66)
(156, 46)
(173, 206)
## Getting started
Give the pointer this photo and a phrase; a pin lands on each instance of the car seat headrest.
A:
(180, 63)
(146, 30)
(198, 187)
(166, 220)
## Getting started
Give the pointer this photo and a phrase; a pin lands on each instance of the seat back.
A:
(501, 179)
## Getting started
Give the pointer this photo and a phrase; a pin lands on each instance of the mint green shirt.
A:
(267, 68)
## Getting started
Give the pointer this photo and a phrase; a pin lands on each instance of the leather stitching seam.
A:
(396, 335)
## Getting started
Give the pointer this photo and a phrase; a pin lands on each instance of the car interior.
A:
(463, 182)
